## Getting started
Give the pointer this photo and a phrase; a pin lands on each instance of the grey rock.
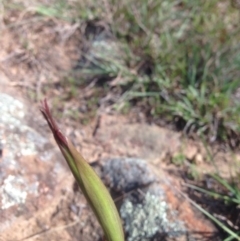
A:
(145, 212)
(123, 175)
(28, 179)
(151, 220)
(102, 55)
(17, 139)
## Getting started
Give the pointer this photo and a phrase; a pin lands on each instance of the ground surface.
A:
(53, 208)
(36, 56)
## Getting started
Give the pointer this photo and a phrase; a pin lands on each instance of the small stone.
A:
(190, 152)
(198, 158)
(122, 175)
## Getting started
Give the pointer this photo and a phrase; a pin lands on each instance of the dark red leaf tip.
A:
(59, 137)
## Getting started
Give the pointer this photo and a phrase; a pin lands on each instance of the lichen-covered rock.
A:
(150, 220)
(17, 140)
(145, 212)
(29, 171)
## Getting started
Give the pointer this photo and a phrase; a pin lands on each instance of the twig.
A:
(50, 230)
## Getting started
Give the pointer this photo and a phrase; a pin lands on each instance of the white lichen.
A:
(12, 191)
(150, 219)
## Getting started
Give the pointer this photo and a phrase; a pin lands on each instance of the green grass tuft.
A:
(182, 57)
